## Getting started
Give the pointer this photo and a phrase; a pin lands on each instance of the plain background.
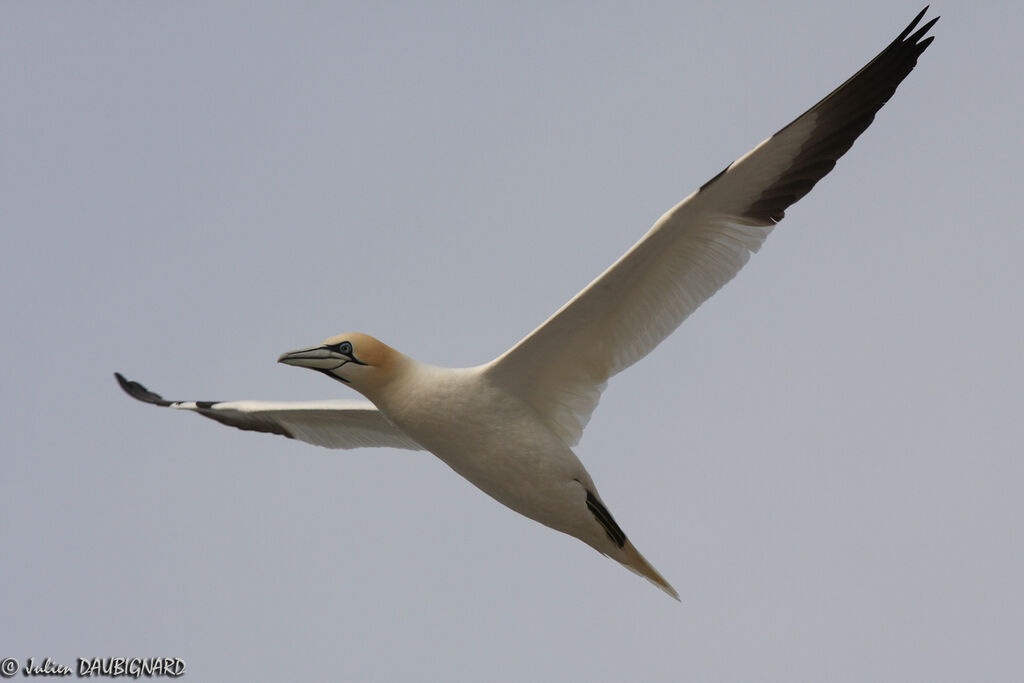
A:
(825, 459)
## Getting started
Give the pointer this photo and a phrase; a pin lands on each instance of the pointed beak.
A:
(316, 357)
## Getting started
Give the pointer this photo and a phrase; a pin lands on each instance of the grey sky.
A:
(825, 460)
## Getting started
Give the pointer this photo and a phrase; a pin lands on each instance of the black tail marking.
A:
(605, 519)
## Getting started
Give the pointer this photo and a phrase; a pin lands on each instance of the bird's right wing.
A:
(332, 424)
(561, 367)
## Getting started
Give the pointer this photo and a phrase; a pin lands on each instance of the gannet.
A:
(509, 426)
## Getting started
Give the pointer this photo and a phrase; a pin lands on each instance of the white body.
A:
(498, 443)
(509, 426)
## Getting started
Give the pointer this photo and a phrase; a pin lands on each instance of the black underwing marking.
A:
(717, 176)
(840, 118)
(243, 421)
(605, 519)
(139, 392)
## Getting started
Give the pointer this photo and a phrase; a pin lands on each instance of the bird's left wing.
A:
(332, 424)
(561, 368)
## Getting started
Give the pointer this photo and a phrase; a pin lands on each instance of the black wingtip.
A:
(913, 25)
(921, 31)
(139, 392)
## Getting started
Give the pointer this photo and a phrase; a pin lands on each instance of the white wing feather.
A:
(561, 368)
(332, 424)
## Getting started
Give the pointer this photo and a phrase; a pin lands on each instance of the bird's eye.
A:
(345, 347)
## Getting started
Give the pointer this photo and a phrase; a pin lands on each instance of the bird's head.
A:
(358, 360)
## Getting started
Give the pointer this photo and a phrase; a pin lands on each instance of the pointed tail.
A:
(635, 562)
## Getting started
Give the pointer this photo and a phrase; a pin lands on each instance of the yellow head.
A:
(358, 360)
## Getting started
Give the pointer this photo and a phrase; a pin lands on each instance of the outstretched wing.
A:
(332, 424)
(561, 368)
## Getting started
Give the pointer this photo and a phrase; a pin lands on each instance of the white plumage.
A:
(509, 426)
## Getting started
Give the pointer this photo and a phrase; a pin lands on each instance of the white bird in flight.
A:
(509, 426)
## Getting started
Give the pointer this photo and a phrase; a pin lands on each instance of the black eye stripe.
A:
(345, 349)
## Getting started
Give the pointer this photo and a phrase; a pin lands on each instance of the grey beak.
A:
(316, 357)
